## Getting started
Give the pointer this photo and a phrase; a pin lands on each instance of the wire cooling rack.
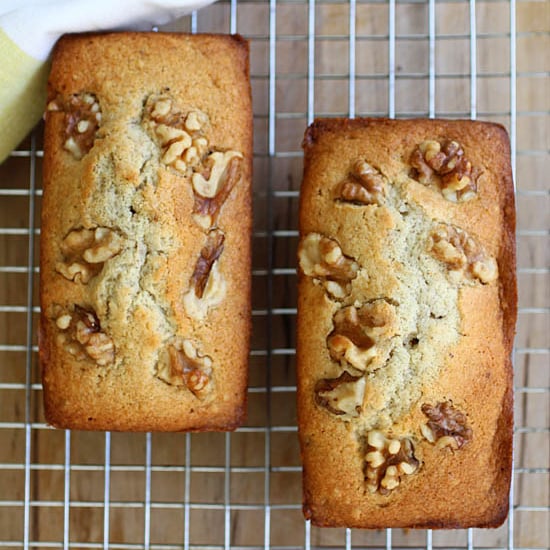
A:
(398, 58)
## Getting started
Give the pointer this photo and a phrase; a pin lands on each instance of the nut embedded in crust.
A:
(183, 365)
(85, 252)
(443, 163)
(322, 258)
(179, 134)
(364, 185)
(209, 254)
(342, 396)
(462, 254)
(446, 426)
(82, 337)
(207, 283)
(82, 120)
(359, 334)
(387, 461)
(214, 185)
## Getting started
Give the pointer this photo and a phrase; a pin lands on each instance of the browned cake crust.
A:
(406, 317)
(145, 242)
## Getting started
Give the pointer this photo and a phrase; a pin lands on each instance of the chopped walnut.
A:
(83, 338)
(359, 335)
(443, 163)
(207, 283)
(387, 460)
(364, 185)
(446, 426)
(85, 251)
(212, 188)
(462, 254)
(82, 119)
(342, 396)
(185, 366)
(322, 258)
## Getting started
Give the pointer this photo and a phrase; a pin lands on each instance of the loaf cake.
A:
(145, 240)
(406, 317)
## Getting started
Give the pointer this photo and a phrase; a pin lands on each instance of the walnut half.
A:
(207, 283)
(322, 258)
(179, 134)
(361, 335)
(213, 185)
(82, 337)
(446, 426)
(462, 254)
(185, 366)
(444, 164)
(387, 460)
(342, 396)
(364, 185)
(85, 251)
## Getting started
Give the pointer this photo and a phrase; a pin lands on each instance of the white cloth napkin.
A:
(35, 25)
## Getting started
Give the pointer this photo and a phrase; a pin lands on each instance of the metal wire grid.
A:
(263, 453)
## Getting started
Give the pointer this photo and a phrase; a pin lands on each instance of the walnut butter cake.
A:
(406, 317)
(145, 242)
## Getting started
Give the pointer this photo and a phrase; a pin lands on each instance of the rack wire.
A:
(397, 58)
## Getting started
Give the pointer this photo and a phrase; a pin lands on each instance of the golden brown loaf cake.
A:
(145, 243)
(406, 317)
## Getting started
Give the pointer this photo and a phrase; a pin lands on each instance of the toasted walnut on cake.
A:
(342, 396)
(387, 461)
(322, 258)
(446, 427)
(360, 338)
(463, 256)
(364, 185)
(81, 335)
(181, 135)
(184, 365)
(85, 251)
(207, 284)
(444, 165)
(82, 120)
(213, 184)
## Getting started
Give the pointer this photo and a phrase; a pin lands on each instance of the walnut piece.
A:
(213, 186)
(322, 258)
(342, 396)
(462, 254)
(207, 283)
(446, 426)
(442, 163)
(185, 366)
(179, 134)
(83, 338)
(364, 185)
(387, 460)
(360, 335)
(82, 119)
(85, 251)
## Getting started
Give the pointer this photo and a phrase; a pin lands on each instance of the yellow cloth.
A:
(22, 94)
